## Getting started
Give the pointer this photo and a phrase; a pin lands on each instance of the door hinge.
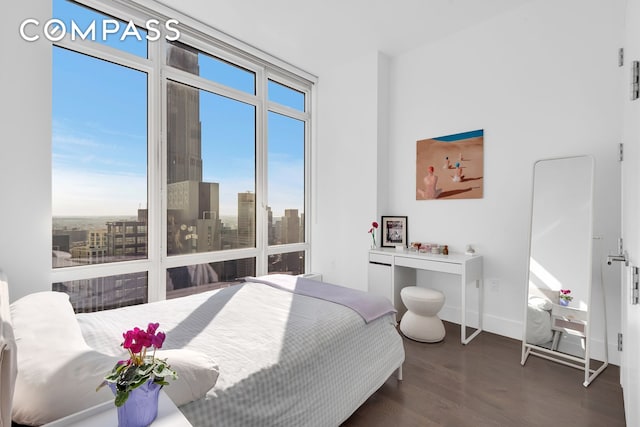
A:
(620, 57)
(635, 287)
(619, 341)
(635, 80)
(620, 152)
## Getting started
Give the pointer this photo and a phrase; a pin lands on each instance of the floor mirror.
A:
(559, 301)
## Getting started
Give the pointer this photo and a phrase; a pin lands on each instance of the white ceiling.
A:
(310, 34)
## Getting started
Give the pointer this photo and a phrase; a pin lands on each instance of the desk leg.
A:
(463, 323)
(463, 308)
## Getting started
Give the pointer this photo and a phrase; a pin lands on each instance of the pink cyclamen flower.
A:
(158, 340)
(136, 340)
(152, 328)
(128, 339)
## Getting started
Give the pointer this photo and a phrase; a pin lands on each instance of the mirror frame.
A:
(582, 363)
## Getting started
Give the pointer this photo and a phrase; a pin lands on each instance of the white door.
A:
(630, 361)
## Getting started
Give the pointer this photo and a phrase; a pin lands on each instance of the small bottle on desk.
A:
(445, 250)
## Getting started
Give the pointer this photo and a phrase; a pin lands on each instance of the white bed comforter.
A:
(284, 359)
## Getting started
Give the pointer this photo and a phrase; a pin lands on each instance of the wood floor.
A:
(483, 384)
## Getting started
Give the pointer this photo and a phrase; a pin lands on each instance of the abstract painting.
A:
(450, 167)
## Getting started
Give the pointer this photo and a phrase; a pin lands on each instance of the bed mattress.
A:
(284, 359)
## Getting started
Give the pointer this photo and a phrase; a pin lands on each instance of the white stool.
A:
(421, 322)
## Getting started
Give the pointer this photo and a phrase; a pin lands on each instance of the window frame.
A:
(211, 42)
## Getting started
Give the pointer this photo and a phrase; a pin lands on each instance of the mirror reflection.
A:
(559, 282)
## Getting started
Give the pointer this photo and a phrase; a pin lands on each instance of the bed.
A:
(273, 351)
(539, 306)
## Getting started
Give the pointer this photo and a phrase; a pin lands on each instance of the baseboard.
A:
(497, 325)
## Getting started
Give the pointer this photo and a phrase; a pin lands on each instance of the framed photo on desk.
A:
(394, 231)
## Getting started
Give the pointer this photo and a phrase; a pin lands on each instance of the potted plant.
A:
(136, 382)
(564, 297)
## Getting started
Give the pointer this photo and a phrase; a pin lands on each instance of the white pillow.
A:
(540, 303)
(58, 372)
(197, 374)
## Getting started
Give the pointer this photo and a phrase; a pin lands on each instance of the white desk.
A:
(105, 415)
(391, 270)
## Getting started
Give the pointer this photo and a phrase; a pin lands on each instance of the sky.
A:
(100, 135)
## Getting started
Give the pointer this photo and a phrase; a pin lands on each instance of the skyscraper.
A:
(246, 220)
(194, 223)
(184, 136)
(291, 226)
(246, 231)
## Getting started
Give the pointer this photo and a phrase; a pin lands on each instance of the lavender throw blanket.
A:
(369, 307)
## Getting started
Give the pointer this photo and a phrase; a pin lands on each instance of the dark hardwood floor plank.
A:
(483, 384)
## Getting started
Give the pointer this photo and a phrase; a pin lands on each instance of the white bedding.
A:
(284, 359)
(538, 321)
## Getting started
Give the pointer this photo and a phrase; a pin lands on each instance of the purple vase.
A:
(141, 408)
(564, 302)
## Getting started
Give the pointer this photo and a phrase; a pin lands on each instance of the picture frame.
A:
(450, 166)
(394, 231)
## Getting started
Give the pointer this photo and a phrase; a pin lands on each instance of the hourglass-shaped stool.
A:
(421, 321)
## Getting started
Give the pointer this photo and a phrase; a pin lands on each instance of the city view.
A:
(92, 240)
(100, 174)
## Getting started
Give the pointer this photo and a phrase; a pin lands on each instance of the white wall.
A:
(542, 81)
(352, 124)
(25, 153)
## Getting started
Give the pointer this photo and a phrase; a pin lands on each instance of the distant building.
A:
(193, 217)
(89, 254)
(184, 134)
(66, 239)
(61, 242)
(246, 220)
(293, 261)
(290, 227)
(246, 231)
(271, 229)
(126, 240)
(97, 238)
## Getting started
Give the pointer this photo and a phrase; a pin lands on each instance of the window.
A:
(99, 157)
(178, 166)
(193, 61)
(190, 279)
(286, 96)
(103, 293)
(286, 179)
(211, 159)
(83, 23)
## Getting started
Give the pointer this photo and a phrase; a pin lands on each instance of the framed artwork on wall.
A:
(394, 231)
(450, 167)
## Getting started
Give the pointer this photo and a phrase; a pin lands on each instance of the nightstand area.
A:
(567, 320)
(105, 415)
